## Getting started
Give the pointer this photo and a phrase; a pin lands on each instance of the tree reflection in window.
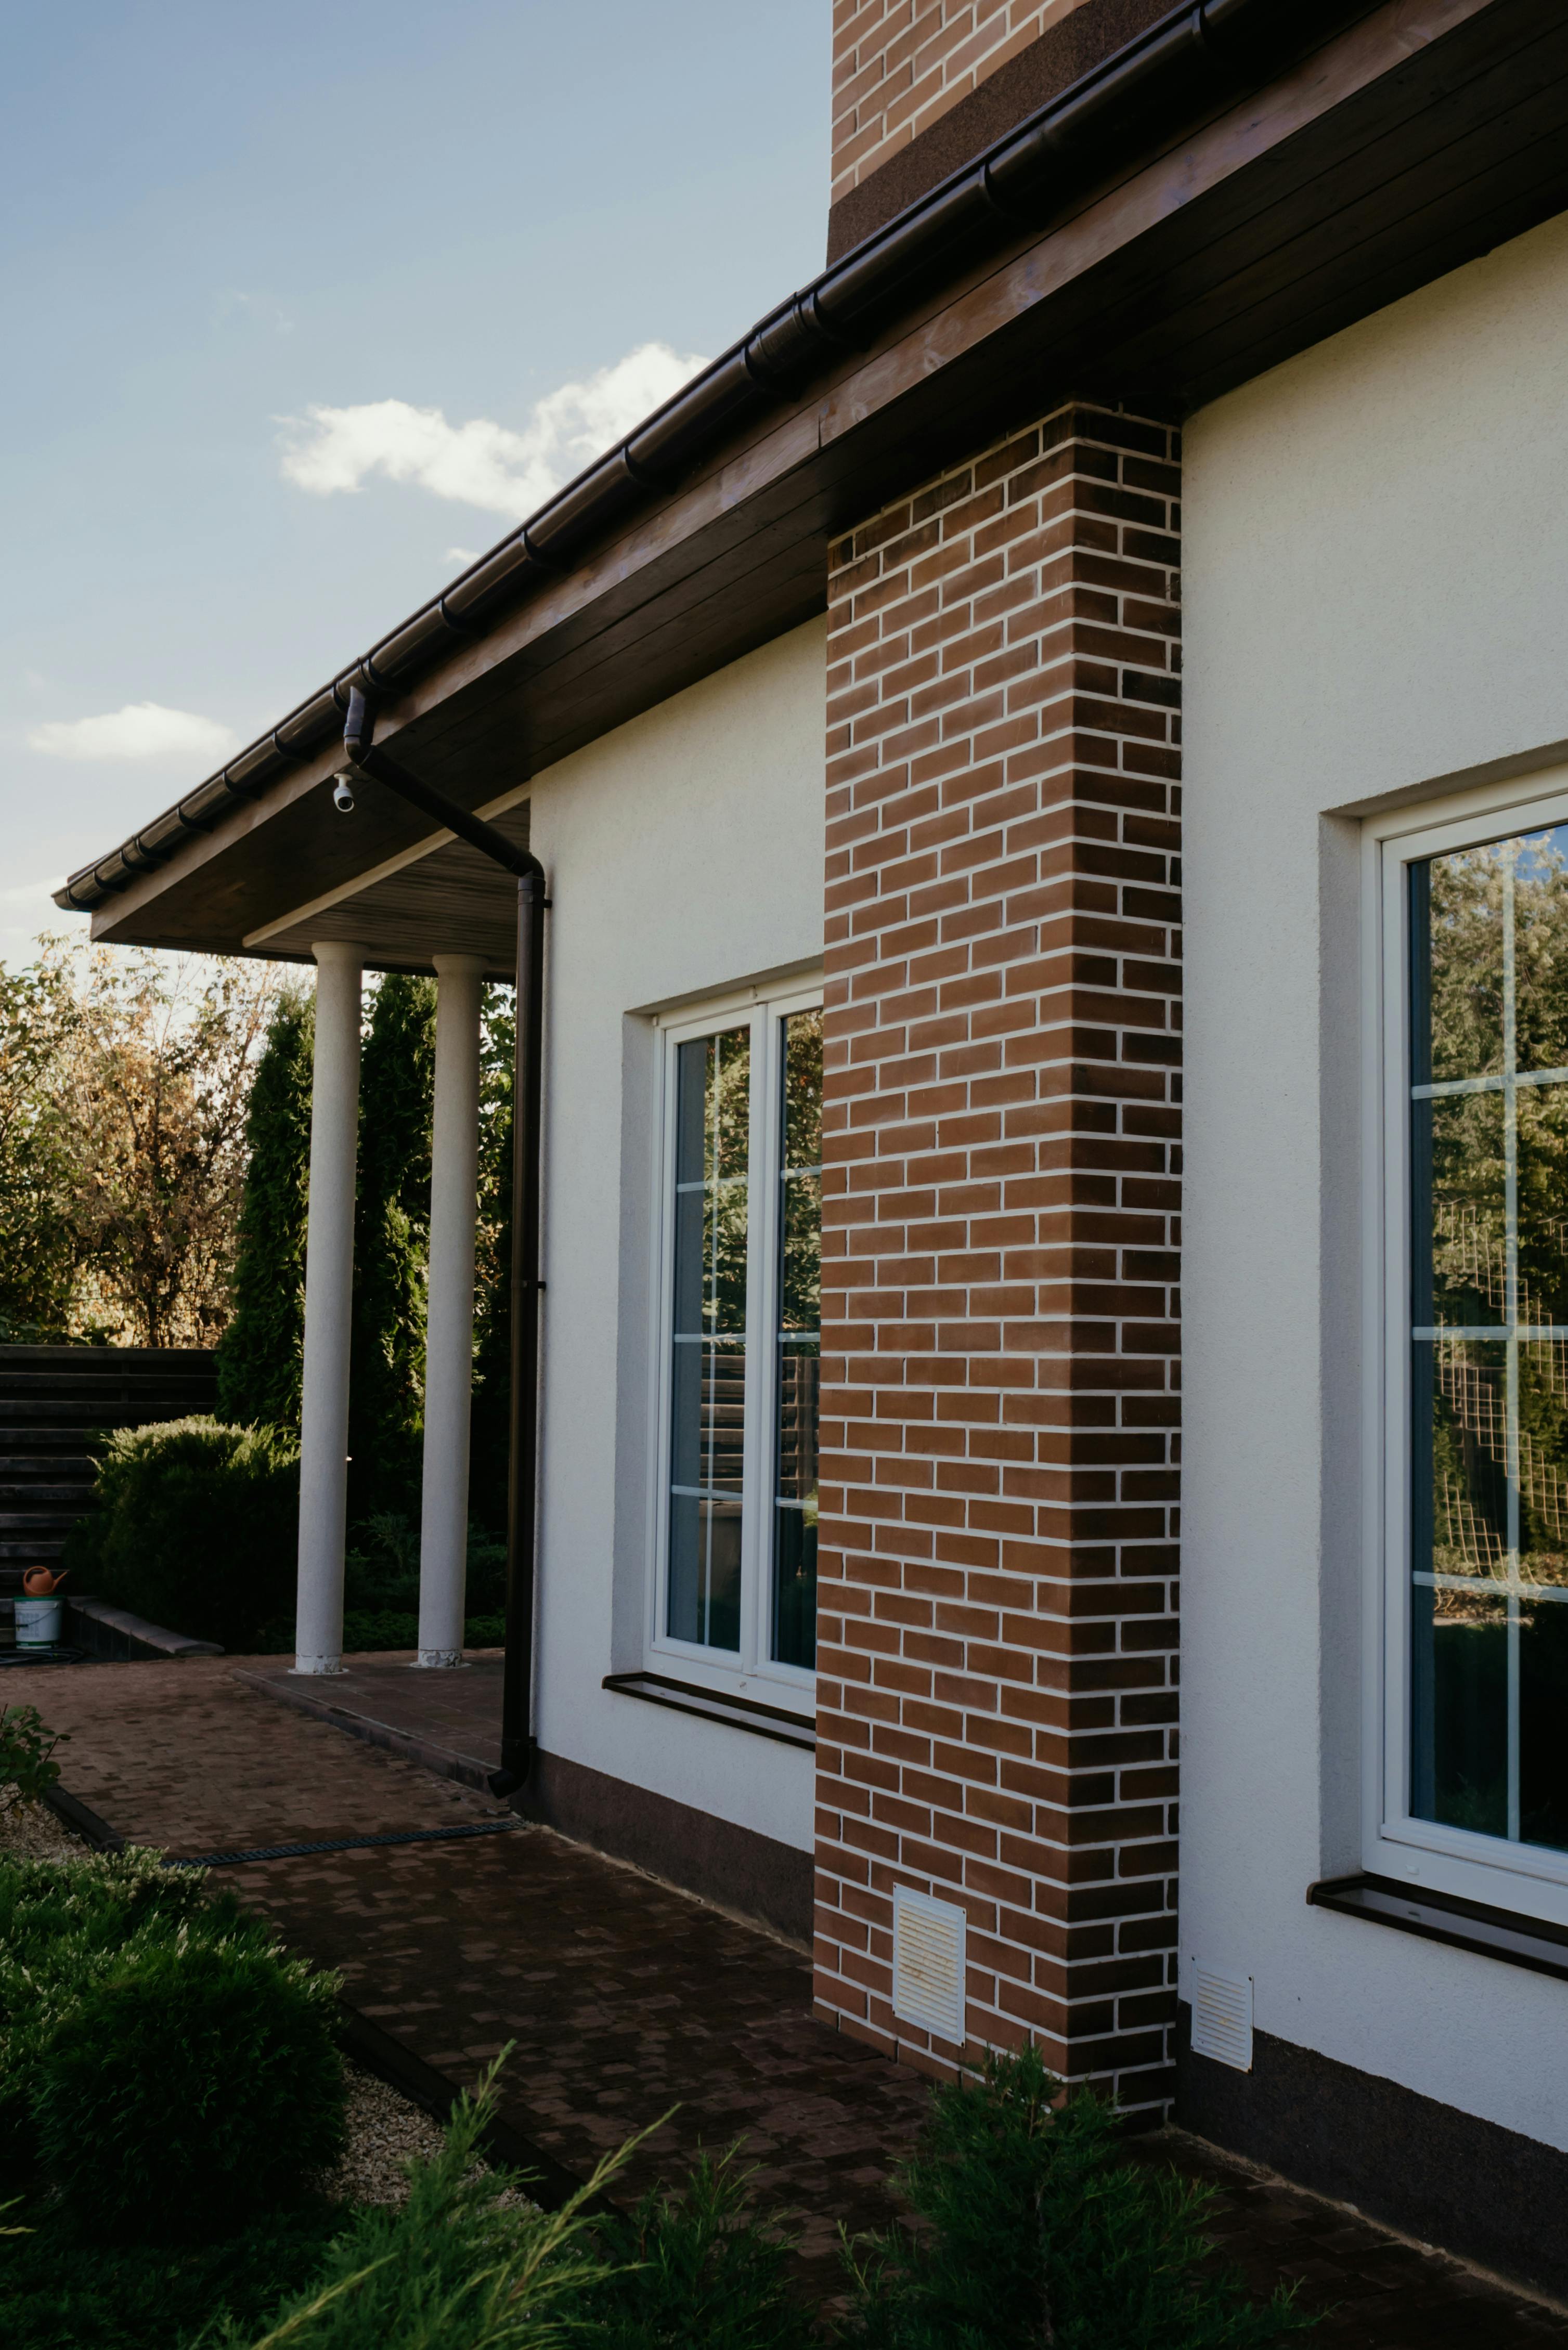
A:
(799, 1342)
(1489, 1113)
(708, 1337)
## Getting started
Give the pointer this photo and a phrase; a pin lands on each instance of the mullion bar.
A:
(1496, 1586)
(1452, 1086)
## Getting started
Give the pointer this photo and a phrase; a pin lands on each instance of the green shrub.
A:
(161, 2061)
(695, 2270)
(98, 1902)
(1032, 2228)
(188, 2084)
(453, 2268)
(381, 1569)
(196, 1528)
(364, 1633)
(27, 1769)
(60, 1923)
(62, 2290)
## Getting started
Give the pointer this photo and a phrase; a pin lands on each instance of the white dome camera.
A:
(342, 795)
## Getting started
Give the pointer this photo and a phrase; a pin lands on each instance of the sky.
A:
(307, 304)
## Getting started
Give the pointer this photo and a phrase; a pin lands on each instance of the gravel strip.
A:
(385, 2131)
(31, 1832)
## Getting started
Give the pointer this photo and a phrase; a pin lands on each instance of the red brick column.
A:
(996, 1697)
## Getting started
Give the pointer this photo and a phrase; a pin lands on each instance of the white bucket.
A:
(38, 1623)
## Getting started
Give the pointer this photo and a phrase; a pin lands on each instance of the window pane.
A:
(1460, 1139)
(798, 1342)
(708, 1348)
(1490, 1256)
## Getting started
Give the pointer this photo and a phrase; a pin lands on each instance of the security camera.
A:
(342, 795)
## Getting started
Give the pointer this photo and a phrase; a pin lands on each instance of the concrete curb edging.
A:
(370, 2044)
(116, 1633)
(87, 1823)
(464, 1768)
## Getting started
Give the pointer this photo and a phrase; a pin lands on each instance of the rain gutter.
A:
(1189, 60)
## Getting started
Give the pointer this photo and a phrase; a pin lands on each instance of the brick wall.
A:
(897, 64)
(996, 1694)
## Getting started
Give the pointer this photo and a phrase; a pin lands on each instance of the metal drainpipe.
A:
(527, 1120)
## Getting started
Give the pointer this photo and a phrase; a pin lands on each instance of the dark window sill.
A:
(1445, 1917)
(736, 1712)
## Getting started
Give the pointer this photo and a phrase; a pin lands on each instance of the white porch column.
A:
(328, 1302)
(448, 1319)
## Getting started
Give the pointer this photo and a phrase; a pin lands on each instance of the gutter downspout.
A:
(528, 1123)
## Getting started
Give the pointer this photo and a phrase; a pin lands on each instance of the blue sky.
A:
(304, 300)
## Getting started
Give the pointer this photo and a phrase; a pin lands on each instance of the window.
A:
(735, 1595)
(1474, 1695)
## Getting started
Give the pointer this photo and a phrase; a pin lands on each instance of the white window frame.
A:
(750, 1672)
(1529, 1879)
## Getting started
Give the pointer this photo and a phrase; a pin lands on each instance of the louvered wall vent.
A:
(1222, 2017)
(928, 1963)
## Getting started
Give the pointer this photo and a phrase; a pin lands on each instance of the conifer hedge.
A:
(259, 1353)
(391, 1243)
(259, 1357)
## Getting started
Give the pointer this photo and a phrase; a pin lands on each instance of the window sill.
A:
(736, 1712)
(1502, 1934)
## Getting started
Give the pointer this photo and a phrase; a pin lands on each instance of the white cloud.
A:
(142, 730)
(481, 463)
(464, 554)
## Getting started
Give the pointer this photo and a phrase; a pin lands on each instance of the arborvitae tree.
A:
(259, 1355)
(491, 1421)
(391, 1235)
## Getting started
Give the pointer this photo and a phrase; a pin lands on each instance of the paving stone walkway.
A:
(624, 1997)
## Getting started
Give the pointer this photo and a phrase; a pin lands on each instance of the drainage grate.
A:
(343, 1844)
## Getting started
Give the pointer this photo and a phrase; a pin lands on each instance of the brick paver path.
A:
(623, 1996)
(1380, 2294)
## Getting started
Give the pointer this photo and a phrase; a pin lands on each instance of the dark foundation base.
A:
(720, 1862)
(1433, 2172)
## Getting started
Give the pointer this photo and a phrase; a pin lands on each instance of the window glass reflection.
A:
(1488, 1137)
(708, 1337)
(799, 1342)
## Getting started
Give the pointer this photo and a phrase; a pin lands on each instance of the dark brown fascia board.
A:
(1383, 157)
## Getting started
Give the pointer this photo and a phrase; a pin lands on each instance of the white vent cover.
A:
(1222, 2017)
(928, 1963)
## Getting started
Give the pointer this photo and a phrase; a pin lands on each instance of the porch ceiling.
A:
(440, 897)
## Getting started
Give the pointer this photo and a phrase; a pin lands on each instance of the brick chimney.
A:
(920, 86)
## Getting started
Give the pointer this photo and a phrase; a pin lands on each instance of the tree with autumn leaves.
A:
(125, 1083)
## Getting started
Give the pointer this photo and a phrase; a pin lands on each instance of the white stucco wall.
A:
(685, 855)
(1377, 597)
